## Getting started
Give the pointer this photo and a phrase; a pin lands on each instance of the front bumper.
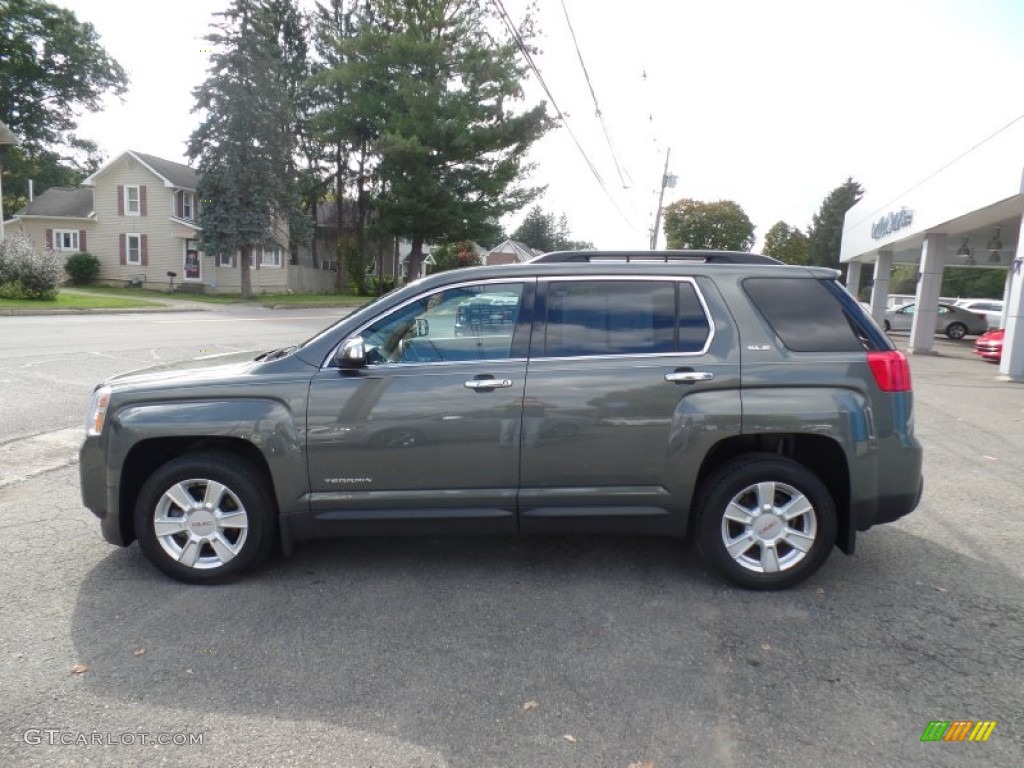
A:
(96, 496)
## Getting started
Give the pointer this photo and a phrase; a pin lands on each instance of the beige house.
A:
(511, 252)
(139, 215)
(62, 219)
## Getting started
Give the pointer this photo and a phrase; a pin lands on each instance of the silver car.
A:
(952, 321)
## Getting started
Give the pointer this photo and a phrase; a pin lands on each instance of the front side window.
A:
(133, 249)
(613, 317)
(471, 322)
(65, 239)
(131, 201)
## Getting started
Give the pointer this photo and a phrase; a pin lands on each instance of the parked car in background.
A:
(989, 346)
(991, 309)
(950, 320)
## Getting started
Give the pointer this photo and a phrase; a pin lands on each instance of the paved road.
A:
(50, 364)
(550, 651)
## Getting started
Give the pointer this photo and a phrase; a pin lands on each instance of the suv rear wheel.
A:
(765, 522)
(205, 517)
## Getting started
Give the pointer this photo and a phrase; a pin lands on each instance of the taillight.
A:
(891, 370)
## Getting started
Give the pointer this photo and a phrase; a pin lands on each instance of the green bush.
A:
(374, 285)
(82, 268)
(26, 273)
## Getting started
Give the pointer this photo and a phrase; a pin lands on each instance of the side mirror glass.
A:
(352, 354)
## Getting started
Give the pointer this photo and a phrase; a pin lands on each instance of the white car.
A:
(953, 321)
(992, 309)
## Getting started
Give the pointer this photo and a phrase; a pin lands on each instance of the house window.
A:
(225, 259)
(271, 257)
(132, 206)
(65, 239)
(133, 249)
(186, 205)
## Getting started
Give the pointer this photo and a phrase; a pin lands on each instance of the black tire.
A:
(886, 325)
(791, 483)
(956, 330)
(223, 537)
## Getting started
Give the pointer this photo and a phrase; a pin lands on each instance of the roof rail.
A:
(646, 257)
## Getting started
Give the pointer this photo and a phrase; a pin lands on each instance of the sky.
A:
(768, 103)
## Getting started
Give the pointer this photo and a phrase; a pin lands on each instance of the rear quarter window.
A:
(804, 314)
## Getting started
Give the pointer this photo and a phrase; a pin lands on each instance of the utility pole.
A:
(667, 180)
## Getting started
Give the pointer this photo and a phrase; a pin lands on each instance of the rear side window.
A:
(804, 314)
(613, 317)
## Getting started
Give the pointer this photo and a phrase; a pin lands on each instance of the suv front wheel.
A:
(765, 522)
(205, 517)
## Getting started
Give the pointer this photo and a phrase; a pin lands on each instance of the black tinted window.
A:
(694, 327)
(804, 314)
(607, 317)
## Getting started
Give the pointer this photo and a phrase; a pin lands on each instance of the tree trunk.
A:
(244, 259)
(415, 262)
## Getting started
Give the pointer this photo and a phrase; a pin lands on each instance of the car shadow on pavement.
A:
(492, 650)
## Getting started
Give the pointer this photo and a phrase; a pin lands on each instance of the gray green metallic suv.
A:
(753, 403)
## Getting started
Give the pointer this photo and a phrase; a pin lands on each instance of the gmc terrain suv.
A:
(585, 392)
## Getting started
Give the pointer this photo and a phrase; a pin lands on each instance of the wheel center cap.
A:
(767, 527)
(202, 522)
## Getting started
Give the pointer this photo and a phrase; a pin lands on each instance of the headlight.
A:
(97, 411)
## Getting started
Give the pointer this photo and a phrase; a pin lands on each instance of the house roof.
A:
(63, 202)
(522, 251)
(173, 174)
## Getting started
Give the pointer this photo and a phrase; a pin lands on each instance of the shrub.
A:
(82, 268)
(25, 272)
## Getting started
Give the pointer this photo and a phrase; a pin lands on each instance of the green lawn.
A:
(125, 292)
(266, 299)
(77, 301)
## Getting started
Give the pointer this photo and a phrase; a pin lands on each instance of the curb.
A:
(10, 311)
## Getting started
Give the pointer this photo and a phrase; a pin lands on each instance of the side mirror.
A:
(352, 354)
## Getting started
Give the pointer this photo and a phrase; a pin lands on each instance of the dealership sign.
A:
(892, 222)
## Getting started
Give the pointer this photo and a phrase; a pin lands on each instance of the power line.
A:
(525, 51)
(593, 95)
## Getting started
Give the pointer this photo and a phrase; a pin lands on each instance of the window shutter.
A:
(142, 200)
(144, 247)
(122, 240)
(120, 199)
(49, 238)
(81, 240)
(180, 202)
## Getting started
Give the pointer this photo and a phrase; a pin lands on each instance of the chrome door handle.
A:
(488, 383)
(689, 376)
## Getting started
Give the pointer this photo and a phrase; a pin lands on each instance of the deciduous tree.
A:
(786, 243)
(52, 68)
(721, 225)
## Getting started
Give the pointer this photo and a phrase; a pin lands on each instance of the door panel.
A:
(614, 442)
(428, 430)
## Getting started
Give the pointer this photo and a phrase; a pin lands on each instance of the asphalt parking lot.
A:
(548, 651)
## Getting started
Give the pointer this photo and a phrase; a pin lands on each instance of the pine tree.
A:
(246, 142)
(451, 151)
(826, 231)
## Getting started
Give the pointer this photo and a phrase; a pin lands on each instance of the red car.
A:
(990, 345)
